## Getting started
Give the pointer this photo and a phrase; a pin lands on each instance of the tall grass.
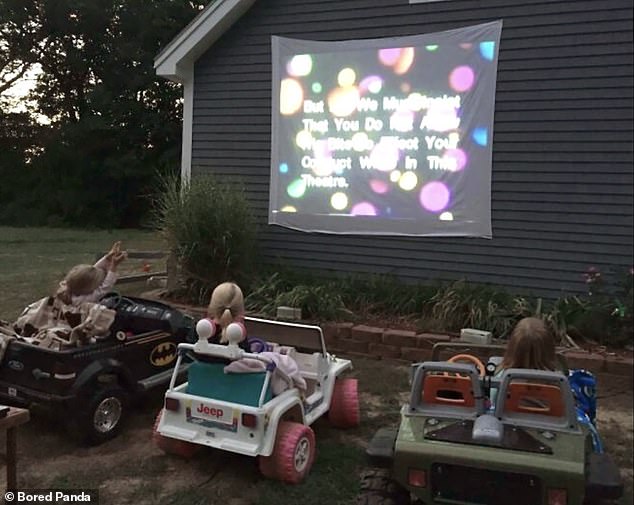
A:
(209, 227)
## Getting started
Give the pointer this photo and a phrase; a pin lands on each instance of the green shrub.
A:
(318, 301)
(447, 307)
(383, 294)
(464, 305)
(210, 229)
(606, 314)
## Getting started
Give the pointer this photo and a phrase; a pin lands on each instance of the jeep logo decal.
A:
(209, 411)
(163, 354)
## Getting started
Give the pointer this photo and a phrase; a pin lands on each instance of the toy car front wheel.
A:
(293, 454)
(103, 416)
(377, 488)
(173, 446)
(344, 405)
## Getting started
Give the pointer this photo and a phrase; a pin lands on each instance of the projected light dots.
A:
(339, 201)
(346, 77)
(487, 50)
(363, 209)
(408, 181)
(379, 187)
(304, 140)
(434, 196)
(371, 83)
(291, 97)
(461, 78)
(480, 136)
(296, 189)
(300, 65)
(399, 58)
(343, 101)
(458, 158)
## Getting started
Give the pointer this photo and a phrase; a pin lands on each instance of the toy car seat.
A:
(447, 390)
(538, 398)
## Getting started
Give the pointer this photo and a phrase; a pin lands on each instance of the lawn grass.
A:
(34, 260)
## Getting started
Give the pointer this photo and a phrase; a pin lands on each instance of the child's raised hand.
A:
(114, 250)
(119, 257)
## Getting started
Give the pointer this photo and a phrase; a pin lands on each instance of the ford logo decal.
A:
(16, 365)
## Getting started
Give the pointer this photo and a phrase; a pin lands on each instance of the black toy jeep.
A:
(92, 386)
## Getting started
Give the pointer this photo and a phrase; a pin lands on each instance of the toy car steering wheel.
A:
(469, 358)
(257, 345)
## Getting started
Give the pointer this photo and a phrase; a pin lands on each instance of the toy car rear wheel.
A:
(173, 446)
(344, 405)
(293, 454)
(102, 418)
(377, 488)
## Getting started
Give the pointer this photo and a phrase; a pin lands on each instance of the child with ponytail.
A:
(225, 307)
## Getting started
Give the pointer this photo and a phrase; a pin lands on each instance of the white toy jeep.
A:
(238, 412)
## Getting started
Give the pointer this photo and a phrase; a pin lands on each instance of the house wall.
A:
(562, 149)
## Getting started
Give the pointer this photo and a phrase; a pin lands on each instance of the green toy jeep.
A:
(530, 446)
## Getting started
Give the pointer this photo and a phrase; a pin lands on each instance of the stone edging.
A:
(410, 347)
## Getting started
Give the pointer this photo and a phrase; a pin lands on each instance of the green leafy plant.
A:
(318, 301)
(463, 305)
(447, 307)
(209, 228)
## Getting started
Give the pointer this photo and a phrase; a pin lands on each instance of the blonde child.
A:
(88, 283)
(225, 307)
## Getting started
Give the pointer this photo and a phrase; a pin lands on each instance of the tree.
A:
(114, 123)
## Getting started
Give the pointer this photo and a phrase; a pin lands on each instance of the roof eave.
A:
(175, 61)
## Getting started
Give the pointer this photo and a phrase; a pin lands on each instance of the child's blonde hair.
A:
(226, 305)
(80, 280)
(531, 345)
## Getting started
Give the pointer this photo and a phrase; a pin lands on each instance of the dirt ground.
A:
(129, 469)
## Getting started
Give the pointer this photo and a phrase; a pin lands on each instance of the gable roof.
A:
(177, 58)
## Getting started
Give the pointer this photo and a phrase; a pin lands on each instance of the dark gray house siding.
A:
(562, 151)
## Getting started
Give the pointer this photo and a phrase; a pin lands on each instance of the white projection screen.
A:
(385, 136)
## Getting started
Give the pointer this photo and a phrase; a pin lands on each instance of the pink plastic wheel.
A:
(172, 445)
(293, 454)
(344, 406)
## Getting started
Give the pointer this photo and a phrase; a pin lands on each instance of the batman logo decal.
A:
(163, 354)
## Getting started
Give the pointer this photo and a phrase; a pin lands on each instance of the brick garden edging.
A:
(406, 346)
(410, 347)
